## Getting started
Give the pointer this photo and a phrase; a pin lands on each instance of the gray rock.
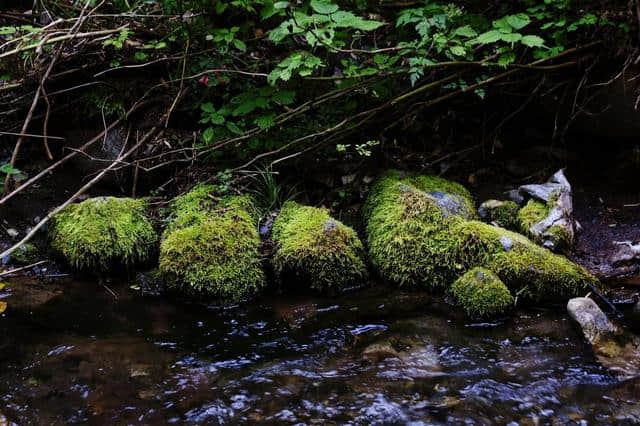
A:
(451, 204)
(615, 348)
(594, 323)
(627, 253)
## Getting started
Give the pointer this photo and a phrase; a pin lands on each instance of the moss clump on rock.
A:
(413, 240)
(317, 249)
(533, 212)
(212, 247)
(531, 271)
(103, 232)
(501, 213)
(25, 254)
(481, 294)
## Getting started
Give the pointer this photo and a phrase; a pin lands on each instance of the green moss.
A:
(532, 272)
(413, 243)
(533, 212)
(99, 233)
(502, 213)
(317, 249)
(481, 294)
(405, 238)
(212, 247)
(25, 254)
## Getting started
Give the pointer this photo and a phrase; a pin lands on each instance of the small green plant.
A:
(268, 194)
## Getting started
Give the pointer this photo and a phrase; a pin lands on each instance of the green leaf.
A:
(488, 37)
(284, 97)
(518, 21)
(9, 169)
(281, 5)
(140, 56)
(207, 135)
(458, 51)
(160, 45)
(507, 58)
(239, 44)
(217, 118)
(511, 38)
(233, 128)
(7, 30)
(208, 107)
(532, 41)
(322, 7)
(466, 31)
(265, 121)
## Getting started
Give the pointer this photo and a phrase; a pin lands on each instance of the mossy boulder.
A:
(414, 241)
(212, 246)
(321, 252)
(500, 213)
(104, 232)
(481, 294)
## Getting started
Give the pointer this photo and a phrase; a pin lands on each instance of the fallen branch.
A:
(81, 191)
(71, 154)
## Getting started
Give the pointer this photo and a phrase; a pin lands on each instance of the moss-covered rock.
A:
(531, 271)
(318, 250)
(103, 232)
(481, 294)
(501, 213)
(404, 232)
(25, 254)
(533, 212)
(212, 246)
(414, 241)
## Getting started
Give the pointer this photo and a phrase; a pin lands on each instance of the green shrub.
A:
(103, 232)
(481, 294)
(318, 250)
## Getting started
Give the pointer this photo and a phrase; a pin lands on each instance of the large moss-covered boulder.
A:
(319, 251)
(104, 232)
(481, 294)
(212, 246)
(416, 241)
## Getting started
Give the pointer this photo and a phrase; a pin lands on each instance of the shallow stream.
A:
(377, 356)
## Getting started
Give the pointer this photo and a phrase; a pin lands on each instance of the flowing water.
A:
(377, 356)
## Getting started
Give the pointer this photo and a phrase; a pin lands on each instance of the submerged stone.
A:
(320, 251)
(103, 232)
(481, 294)
(414, 243)
(212, 247)
(616, 348)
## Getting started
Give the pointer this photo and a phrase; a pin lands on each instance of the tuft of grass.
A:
(267, 193)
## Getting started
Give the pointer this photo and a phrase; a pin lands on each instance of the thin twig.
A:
(22, 268)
